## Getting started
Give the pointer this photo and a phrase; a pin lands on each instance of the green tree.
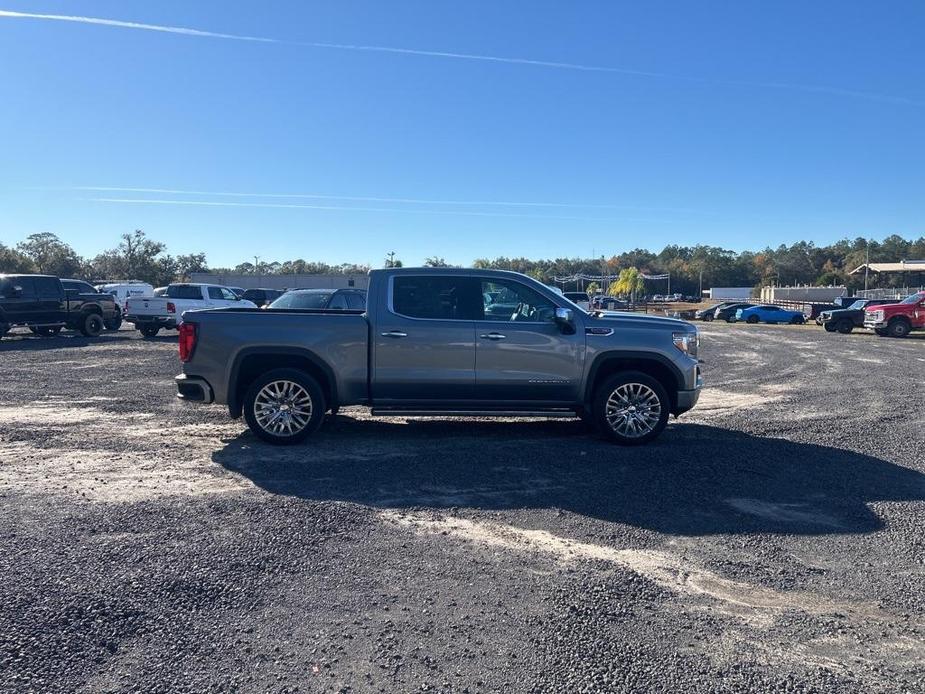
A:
(629, 283)
(11, 260)
(593, 288)
(435, 261)
(50, 255)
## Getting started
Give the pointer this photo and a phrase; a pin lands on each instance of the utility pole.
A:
(700, 296)
(391, 261)
(866, 264)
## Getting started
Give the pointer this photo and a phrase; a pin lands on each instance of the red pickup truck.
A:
(897, 320)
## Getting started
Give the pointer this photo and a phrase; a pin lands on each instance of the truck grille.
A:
(874, 316)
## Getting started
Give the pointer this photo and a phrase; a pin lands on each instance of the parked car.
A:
(261, 297)
(708, 314)
(580, 299)
(897, 320)
(727, 312)
(123, 290)
(86, 292)
(769, 313)
(427, 346)
(844, 320)
(150, 314)
(322, 299)
(608, 303)
(41, 303)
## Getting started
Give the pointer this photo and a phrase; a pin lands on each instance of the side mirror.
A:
(565, 319)
(16, 292)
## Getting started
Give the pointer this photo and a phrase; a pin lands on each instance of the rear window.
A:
(184, 291)
(439, 298)
(47, 287)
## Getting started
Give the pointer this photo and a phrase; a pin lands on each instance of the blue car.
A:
(770, 314)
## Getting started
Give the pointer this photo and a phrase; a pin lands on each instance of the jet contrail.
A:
(355, 198)
(819, 89)
(344, 208)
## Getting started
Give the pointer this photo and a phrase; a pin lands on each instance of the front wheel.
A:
(845, 327)
(91, 325)
(631, 408)
(797, 320)
(829, 328)
(284, 406)
(708, 317)
(752, 319)
(149, 330)
(898, 328)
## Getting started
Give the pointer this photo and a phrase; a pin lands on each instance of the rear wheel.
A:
(284, 406)
(898, 328)
(91, 325)
(115, 322)
(797, 320)
(708, 317)
(149, 330)
(631, 408)
(845, 326)
(752, 319)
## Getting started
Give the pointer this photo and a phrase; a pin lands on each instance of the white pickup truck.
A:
(152, 313)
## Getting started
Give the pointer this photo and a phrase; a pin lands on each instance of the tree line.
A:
(140, 258)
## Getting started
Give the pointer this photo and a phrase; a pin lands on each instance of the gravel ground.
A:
(771, 540)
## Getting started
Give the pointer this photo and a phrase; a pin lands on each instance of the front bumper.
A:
(686, 399)
(873, 325)
(194, 388)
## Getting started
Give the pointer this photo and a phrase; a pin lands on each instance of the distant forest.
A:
(138, 257)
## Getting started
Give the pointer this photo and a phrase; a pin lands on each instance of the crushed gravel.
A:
(770, 541)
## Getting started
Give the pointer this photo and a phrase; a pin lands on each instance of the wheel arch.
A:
(250, 362)
(653, 364)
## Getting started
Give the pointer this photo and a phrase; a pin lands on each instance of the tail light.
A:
(171, 307)
(187, 341)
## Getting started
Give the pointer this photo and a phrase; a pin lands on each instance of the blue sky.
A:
(735, 124)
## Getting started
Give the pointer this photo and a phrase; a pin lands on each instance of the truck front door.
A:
(521, 354)
(424, 340)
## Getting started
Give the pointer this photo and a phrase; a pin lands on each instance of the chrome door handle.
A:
(493, 336)
(395, 333)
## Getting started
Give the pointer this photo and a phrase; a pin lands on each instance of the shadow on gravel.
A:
(695, 480)
(35, 343)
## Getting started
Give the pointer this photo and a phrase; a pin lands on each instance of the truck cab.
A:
(42, 304)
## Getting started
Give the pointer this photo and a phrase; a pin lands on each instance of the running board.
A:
(394, 412)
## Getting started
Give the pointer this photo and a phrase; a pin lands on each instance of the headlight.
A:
(687, 343)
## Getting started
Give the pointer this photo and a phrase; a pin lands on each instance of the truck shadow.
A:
(27, 342)
(695, 480)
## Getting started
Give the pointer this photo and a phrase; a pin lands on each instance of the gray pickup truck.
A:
(442, 342)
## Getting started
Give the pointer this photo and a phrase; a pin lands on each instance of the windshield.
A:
(858, 304)
(302, 300)
(913, 299)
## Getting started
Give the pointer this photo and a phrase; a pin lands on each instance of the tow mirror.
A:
(565, 319)
(16, 291)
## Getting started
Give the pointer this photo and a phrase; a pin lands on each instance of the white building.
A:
(721, 293)
(806, 293)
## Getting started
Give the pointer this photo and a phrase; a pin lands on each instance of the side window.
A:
(338, 302)
(512, 301)
(216, 293)
(436, 297)
(355, 301)
(47, 287)
(228, 295)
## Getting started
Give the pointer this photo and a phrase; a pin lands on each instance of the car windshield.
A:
(302, 300)
(858, 304)
(913, 299)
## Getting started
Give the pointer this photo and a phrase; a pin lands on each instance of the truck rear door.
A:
(49, 295)
(424, 340)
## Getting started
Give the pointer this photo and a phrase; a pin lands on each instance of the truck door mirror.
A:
(565, 319)
(15, 292)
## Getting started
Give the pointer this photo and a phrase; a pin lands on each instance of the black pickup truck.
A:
(845, 320)
(45, 305)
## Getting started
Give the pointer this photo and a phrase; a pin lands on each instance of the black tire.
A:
(46, 331)
(752, 319)
(114, 323)
(829, 327)
(279, 391)
(898, 327)
(606, 401)
(91, 325)
(731, 319)
(844, 326)
(707, 317)
(881, 332)
(797, 320)
(149, 330)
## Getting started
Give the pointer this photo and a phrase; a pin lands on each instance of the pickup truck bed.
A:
(442, 342)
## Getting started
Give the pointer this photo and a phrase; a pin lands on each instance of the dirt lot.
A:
(771, 540)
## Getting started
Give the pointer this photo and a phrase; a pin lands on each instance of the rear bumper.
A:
(161, 321)
(194, 388)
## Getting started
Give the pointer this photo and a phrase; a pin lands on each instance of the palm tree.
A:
(629, 282)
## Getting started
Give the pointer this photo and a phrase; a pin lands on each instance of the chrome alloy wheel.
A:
(283, 408)
(633, 410)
